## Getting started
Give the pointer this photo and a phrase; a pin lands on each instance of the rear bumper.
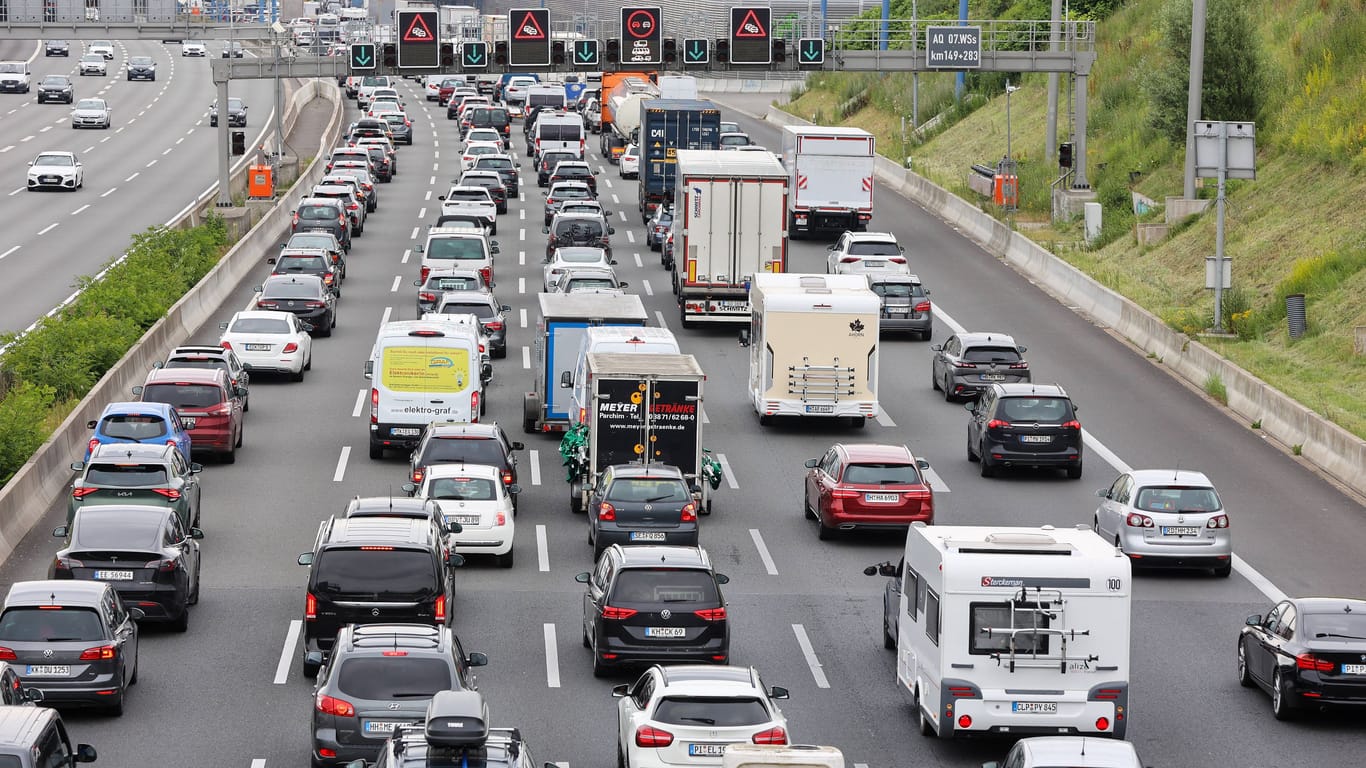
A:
(899, 323)
(1060, 457)
(683, 537)
(382, 434)
(215, 437)
(159, 603)
(972, 383)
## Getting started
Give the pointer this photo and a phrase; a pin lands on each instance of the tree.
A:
(1234, 75)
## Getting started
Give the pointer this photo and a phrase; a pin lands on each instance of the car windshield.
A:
(37, 625)
(191, 396)
(1176, 499)
(103, 530)
(317, 212)
(457, 248)
(133, 427)
(711, 712)
(8, 68)
(648, 490)
(234, 105)
(125, 475)
(874, 249)
(991, 355)
(1338, 625)
(301, 264)
(55, 80)
(140, 61)
(874, 473)
(392, 678)
(301, 240)
(898, 290)
(375, 573)
(477, 308)
(260, 325)
(461, 489)
(62, 160)
(1040, 409)
(664, 585)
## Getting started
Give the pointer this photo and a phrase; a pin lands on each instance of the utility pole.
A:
(1051, 127)
(915, 76)
(1193, 96)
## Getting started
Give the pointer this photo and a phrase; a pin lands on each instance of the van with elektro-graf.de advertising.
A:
(422, 371)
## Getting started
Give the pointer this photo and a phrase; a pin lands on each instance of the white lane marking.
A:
(82, 208)
(1105, 453)
(45, 129)
(521, 285)
(286, 656)
(429, 192)
(936, 482)
(640, 264)
(542, 550)
(436, 166)
(134, 176)
(14, 248)
(763, 552)
(883, 419)
(947, 320)
(521, 258)
(660, 317)
(397, 279)
(705, 419)
(522, 214)
(166, 151)
(177, 141)
(526, 358)
(413, 236)
(622, 214)
(810, 653)
(725, 470)
(1262, 583)
(421, 214)
(111, 191)
(340, 472)
(552, 658)
(17, 191)
(616, 199)
(646, 285)
(6, 148)
(258, 762)
(433, 181)
(90, 149)
(521, 234)
(360, 403)
(384, 318)
(26, 138)
(630, 236)
(535, 457)
(406, 253)
(608, 182)
(521, 312)
(48, 228)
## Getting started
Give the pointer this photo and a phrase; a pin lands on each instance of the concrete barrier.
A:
(45, 478)
(1325, 444)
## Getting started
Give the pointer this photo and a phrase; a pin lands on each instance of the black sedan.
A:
(636, 504)
(57, 48)
(56, 88)
(1308, 653)
(305, 296)
(145, 552)
(237, 114)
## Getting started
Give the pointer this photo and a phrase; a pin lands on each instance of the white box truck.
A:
(616, 340)
(831, 173)
(1018, 631)
(729, 224)
(813, 347)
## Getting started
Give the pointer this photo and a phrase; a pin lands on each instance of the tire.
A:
(503, 561)
(1244, 674)
(948, 390)
(1281, 708)
(308, 364)
(934, 380)
(116, 709)
(182, 623)
(376, 451)
(988, 469)
(923, 720)
(972, 456)
(807, 512)
(1224, 571)
(229, 457)
(584, 631)
(194, 596)
(825, 532)
(1074, 471)
(298, 376)
(599, 669)
(888, 641)
(327, 331)
(857, 422)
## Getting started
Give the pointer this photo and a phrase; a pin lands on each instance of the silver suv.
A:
(1167, 517)
(968, 363)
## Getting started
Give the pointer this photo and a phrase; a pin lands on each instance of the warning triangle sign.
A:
(750, 26)
(529, 29)
(418, 31)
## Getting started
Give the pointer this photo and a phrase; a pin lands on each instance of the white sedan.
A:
(564, 259)
(474, 496)
(56, 170)
(628, 165)
(193, 48)
(269, 341)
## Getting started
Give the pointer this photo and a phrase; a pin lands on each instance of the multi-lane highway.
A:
(156, 158)
(229, 692)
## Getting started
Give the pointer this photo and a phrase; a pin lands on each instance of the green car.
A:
(137, 473)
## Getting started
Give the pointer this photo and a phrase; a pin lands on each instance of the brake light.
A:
(351, 206)
(290, 347)
(170, 493)
(689, 513)
(1073, 424)
(7, 654)
(1020, 365)
(711, 614)
(80, 493)
(897, 260)
(424, 296)
(616, 614)
(225, 344)
(99, 653)
(1102, 723)
(264, 304)
(998, 424)
(649, 736)
(474, 399)
(487, 274)
(60, 563)
(841, 493)
(923, 306)
(496, 325)
(850, 260)
(1218, 521)
(316, 304)
(1108, 694)
(507, 478)
(1310, 661)
(329, 705)
(310, 607)
(500, 519)
(606, 512)
(296, 218)
(374, 406)
(426, 271)
(440, 611)
(774, 735)
(418, 474)
(165, 566)
(94, 443)
(394, 653)
(964, 364)
(1135, 520)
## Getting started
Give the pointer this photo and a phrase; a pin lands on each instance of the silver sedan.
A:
(1167, 517)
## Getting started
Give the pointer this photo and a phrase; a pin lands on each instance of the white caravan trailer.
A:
(1019, 631)
(781, 756)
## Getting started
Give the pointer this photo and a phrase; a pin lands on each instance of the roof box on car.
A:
(457, 719)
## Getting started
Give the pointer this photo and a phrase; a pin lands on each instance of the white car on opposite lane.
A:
(56, 169)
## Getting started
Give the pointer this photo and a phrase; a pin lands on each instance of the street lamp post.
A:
(1009, 90)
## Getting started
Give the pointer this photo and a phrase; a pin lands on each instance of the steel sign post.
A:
(750, 35)
(641, 36)
(419, 45)
(529, 29)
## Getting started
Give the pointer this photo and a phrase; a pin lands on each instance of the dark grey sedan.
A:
(636, 504)
(400, 126)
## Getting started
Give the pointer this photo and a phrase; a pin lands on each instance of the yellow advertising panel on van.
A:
(424, 369)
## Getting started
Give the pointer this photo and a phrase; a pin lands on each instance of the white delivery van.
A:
(546, 95)
(422, 371)
(1015, 631)
(622, 340)
(677, 87)
(813, 343)
(781, 756)
(562, 132)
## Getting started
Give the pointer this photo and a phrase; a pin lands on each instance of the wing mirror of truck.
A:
(369, 369)
(566, 379)
(744, 337)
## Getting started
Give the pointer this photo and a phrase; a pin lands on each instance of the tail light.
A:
(507, 477)
(92, 445)
(329, 705)
(616, 614)
(439, 612)
(316, 304)
(310, 607)
(964, 364)
(424, 296)
(1218, 521)
(689, 513)
(1108, 694)
(223, 409)
(496, 325)
(290, 347)
(225, 344)
(1022, 365)
(1102, 723)
(341, 219)
(774, 735)
(352, 206)
(998, 424)
(170, 493)
(99, 653)
(500, 519)
(164, 566)
(426, 271)
(328, 278)
(264, 304)
(1312, 662)
(60, 563)
(711, 614)
(897, 260)
(487, 274)
(1073, 424)
(374, 406)
(850, 260)
(474, 405)
(296, 219)
(923, 306)
(606, 512)
(418, 474)
(7, 654)
(1135, 520)
(649, 736)
(80, 493)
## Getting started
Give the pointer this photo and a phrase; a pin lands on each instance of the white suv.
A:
(864, 253)
(457, 247)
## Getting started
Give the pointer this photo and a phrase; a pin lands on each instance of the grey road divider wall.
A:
(46, 477)
(745, 85)
(1326, 445)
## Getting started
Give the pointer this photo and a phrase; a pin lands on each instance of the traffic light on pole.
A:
(390, 57)
(557, 52)
(670, 50)
(723, 50)
(448, 54)
(613, 51)
(779, 50)
(500, 52)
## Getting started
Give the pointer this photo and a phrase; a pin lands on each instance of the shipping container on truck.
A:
(560, 329)
(729, 224)
(644, 409)
(831, 175)
(667, 126)
(621, 84)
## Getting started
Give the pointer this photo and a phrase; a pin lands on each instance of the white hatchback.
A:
(474, 496)
(269, 341)
(628, 165)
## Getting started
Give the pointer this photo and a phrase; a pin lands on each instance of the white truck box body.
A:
(614, 340)
(831, 174)
(781, 756)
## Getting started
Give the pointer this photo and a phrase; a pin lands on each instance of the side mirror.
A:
(619, 691)
(137, 390)
(196, 468)
(518, 446)
(494, 249)
(777, 692)
(493, 244)
(887, 569)
(454, 559)
(60, 532)
(441, 197)
(811, 463)
(84, 752)
(477, 659)
(922, 464)
(369, 368)
(270, 260)
(409, 488)
(582, 578)
(417, 283)
(611, 230)
(419, 248)
(970, 405)
(90, 424)
(744, 337)
(158, 365)
(222, 326)
(623, 284)
(257, 289)
(566, 379)
(486, 371)
(307, 327)
(78, 466)
(1023, 349)
(240, 391)
(505, 308)
(137, 614)
(612, 262)
(1255, 620)
(306, 558)
(195, 533)
(514, 488)
(722, 578)
(452, 526)
(992, 764)
(831, 247)
(1104, 493)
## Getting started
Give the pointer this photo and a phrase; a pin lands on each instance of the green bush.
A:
(23, 411)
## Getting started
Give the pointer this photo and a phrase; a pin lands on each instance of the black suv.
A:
(196, 356)
(641, 504)
(307, 297)
(1024, 425)
(491, 117)
(654, 605)
(382, 676)
(56, 88)
(575, 170)
(142, 68)
(456, 734)
(314, 262)
(545, 165)
(374, 570)
(462, 442)
(585, 230)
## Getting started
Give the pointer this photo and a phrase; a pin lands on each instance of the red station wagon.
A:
(207, 402)
(867, 485)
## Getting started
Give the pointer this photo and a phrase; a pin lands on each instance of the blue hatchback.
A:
(138, 422)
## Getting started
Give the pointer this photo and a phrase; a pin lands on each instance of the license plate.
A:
(820, 409)
(189, 422)
(48, 670)
(706, 750)
(405, 431)
(882, 498)
(258, 347)
(1034, 707)
(733, 306)
(381, 726)
(1035, 438)
(898, 310)
(993, 377)
(647, 536)
(1180, 530)
(114, 575)
(1354, 669)
(665, 632)
(464, 519)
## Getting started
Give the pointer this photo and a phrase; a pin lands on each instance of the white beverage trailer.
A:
(1019, 631)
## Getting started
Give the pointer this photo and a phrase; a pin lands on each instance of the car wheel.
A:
(298, 376)
(825, 532)
(116, 709)
(888, 641)
(326, 330)
(1224, 571)
(134, 679)
(308, 364)
(503, 561)
(923, 719)
(621, 758)
(972, 455)
(1281, 708)
(230, 457)
(599, 669)
(948, 390)
(1074, 471)
(376, 451)
(182, 622)
(934, 380)
(988, 469)
(194, 596)
(807, 512)
(1244, 675)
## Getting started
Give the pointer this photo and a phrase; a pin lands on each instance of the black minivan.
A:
(373, 570)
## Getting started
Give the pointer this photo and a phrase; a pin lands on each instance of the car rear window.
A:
(479, 195)
(559, 132)
(711, 712)
(317, 212)
(874, 249)
(552, 159)
(203, 363)
(571, 193)
(133, 427)
(587, 284)
(461, 489)
(260, 325)
(878, 473)
(1041, 409)
(1338, 625)
(898, 290)
(388, 678)
(579, 230)
(665, 585)
(376, 574)
(454, 284)
(463, 449)
(494, 163)
(125, 475)
(477, 308)
(47, 625)
(991, 355)
(286, 290)
(326, 242)
(1177, 499)
(300, 264)
(459, 248)
(649, 490)
(191, 396)
(118, 531)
